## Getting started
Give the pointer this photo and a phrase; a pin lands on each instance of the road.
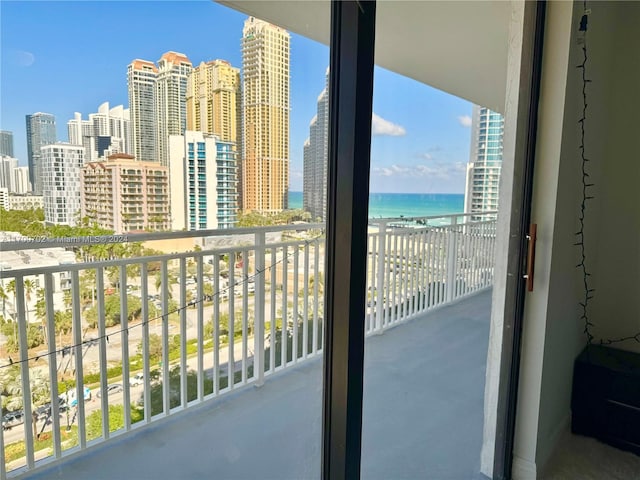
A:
(17, 433)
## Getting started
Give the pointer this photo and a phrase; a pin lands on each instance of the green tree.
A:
(29, 287)
(155, 348)
(11, 288)
(35, 338)
(41, 308)
(12, 390)
(63, 322)
(174, 389)
(112, 310)
(94, 421)
(3, 297)
(27, 222)
(88, 287)
(207, 291)
(171, 279)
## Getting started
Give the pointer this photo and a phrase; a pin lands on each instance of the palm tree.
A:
(88, 286)
(39, 386)
(41, 310)
(29, 287)
(11, 288)
(171, 279)
(3, 297)
(66, 299)
(190, 298)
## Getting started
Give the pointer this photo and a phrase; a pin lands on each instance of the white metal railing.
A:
(201, 323)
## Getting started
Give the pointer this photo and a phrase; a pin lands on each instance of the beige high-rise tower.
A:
(265, 125)
(173, 72)
(141, 79)
(213, 100)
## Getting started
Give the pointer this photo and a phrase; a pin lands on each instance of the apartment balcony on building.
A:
(429, 283)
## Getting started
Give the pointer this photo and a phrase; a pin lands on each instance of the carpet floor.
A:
(582, 458)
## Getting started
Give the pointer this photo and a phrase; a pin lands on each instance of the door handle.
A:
(531, 255)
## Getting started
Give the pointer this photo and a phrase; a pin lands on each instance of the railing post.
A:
(452, 255)
(382, 269)
(258, 336)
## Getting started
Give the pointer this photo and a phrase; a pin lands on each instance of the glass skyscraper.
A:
(6, 143)
(485, 164)
(41, 131)
(315, 159)
(203, 182)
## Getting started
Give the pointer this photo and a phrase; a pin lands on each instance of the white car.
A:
(70, 397)
(137, 379)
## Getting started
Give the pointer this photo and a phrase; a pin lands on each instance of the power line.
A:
(164, 317)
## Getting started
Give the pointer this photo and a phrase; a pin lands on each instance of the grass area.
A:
(16, 450)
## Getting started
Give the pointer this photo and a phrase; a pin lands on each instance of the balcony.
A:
(429, 277)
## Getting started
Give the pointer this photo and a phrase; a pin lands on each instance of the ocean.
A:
(394, 205)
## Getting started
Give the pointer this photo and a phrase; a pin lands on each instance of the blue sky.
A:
(66, 57)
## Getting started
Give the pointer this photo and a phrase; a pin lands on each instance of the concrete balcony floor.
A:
(423, 415)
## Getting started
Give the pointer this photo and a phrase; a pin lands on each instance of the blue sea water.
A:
(394, 205)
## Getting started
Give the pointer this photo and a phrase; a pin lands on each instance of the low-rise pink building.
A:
(124, 195)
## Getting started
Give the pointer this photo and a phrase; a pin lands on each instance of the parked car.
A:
(70, 397)
(111, 389)
(44, 411)
(12, 419)
(137, 379)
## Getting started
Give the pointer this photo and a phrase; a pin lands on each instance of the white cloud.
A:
(380, 126)
(383, 172)
(464, 120)
(23, 58)
(425, 156)
(440, 170)
(400, 169)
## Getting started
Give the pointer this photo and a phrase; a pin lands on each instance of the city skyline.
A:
(421, 135)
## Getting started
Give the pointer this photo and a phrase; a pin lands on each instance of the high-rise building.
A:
(315, 159)
(61, 165)
(203, 182)
(7, 164)
(265, 111)
(6, 143)
(4, 198)
(41, 131)
(105, 133)
(20, 178)
(171, 97)
(141, 82)
(485, 164)
(213, 100)
(124, 195)
(80, 132)
(226, 184)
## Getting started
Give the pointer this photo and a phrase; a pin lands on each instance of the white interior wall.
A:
(553, 334)
(616, 305)
(564, 337)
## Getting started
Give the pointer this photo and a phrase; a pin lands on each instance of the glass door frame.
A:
(352, 53)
